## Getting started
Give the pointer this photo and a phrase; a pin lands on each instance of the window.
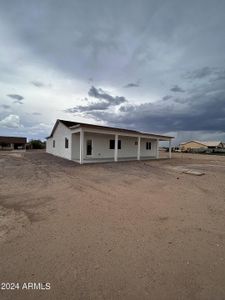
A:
(112, 144)
(66, 143)
(148, 145)
(53, 143)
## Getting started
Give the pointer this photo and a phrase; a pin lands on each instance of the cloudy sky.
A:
(152, 65)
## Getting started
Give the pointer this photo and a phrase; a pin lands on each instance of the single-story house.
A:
(189, 145)
(11, 142)
(83, 143)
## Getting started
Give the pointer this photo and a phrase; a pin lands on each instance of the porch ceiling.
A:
(120, 133)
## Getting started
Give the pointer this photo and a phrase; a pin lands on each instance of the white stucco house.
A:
(85, 143)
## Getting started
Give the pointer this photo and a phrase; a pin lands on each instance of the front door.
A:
(89, 147)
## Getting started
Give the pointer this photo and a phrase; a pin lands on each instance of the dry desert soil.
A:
(130, 230)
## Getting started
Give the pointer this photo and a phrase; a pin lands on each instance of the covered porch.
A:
(100, 146)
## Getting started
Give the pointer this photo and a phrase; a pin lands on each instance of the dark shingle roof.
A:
(13, 139)
(70, 124)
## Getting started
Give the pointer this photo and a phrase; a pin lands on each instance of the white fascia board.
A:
(76, 130)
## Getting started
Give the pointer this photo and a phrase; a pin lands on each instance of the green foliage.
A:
(37, 144)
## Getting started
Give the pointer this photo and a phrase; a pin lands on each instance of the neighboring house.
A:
(190, 145)
(11, 143)
(83, 142)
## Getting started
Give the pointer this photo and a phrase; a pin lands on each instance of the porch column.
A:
(169, 148)
(81, 146)
(139, 149)
(116, 148)
(157, 148)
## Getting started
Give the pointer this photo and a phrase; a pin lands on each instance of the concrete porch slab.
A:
(120, 159)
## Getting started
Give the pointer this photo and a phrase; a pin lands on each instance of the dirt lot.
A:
(132, 230)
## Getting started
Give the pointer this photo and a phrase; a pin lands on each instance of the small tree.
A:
(37, 144)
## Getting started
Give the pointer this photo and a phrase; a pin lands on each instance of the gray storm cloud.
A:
(177, 89)
(16, 97)
(105, 101)
(201, 110)
(176, 49)
(151, 37)
(102, 95)
(131, 85)
(5, 106)
(40, 84)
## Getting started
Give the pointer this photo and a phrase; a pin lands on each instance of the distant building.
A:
(11, 143)
(194, 145)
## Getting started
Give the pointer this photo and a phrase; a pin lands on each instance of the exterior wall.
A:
(128, 147)
(75, 154)
(144, 151)
(6, 146)
(192, 145)
(12, 146)
(59, 136)
(49, 148)
(100, 146)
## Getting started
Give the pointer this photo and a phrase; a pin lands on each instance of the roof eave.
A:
(119, 130)
(137, 133)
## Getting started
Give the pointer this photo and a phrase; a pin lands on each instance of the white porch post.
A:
(169, 148)
(81, 146)
(116, 148)
(157, 148)
(139, 149)
(71, 146)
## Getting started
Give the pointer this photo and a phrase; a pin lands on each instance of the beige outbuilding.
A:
(190, 145)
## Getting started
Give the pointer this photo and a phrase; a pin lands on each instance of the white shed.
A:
(83, 143)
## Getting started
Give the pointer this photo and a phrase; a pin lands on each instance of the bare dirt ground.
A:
(132, 230)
